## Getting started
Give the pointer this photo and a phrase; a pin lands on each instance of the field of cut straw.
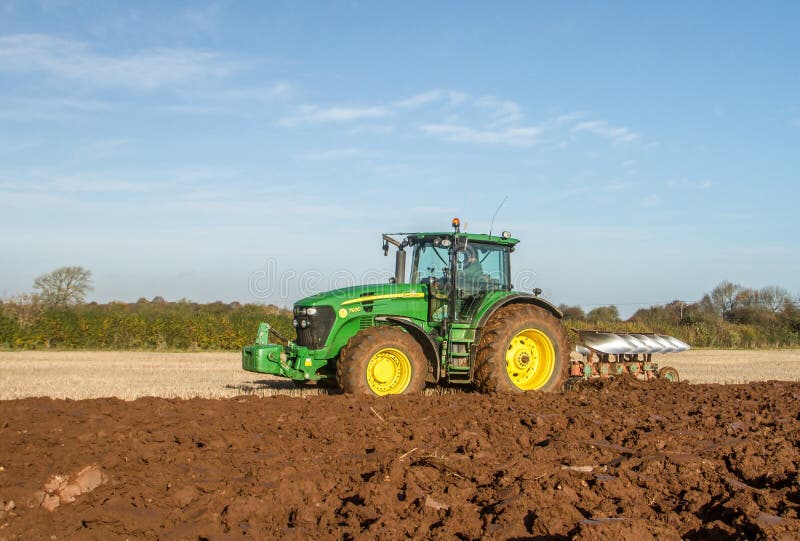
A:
(129, 375)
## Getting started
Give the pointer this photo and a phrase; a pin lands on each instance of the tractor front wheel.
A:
(382, 360)
(522, 348)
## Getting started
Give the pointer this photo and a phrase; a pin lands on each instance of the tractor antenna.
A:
(503, 202)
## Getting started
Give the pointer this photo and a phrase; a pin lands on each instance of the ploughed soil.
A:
(620, 460)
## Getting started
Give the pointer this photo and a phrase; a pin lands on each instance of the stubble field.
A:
(617, 460)
(131, 374)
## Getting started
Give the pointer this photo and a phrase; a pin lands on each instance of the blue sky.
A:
(255, 151)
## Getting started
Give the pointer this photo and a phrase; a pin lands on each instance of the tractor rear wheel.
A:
(382, 360)
(522, 348)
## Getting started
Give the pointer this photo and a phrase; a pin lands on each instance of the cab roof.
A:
(472, 237)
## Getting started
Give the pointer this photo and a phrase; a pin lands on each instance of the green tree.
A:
(603, 314)
(64, 286)
(572, 312)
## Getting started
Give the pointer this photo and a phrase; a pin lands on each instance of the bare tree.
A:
(25, 308)
(724, 298)
(773, 298)
(64, 286)
(747, 298)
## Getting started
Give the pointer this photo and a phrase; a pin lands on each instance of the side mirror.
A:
(537, 291)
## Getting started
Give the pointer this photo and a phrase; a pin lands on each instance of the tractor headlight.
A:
(314, 324)
(294, 323)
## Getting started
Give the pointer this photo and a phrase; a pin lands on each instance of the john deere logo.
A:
(343, 312)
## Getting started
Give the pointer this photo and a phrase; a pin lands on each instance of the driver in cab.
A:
(471, 271)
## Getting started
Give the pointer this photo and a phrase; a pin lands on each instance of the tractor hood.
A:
(364, 295)
(325, 321)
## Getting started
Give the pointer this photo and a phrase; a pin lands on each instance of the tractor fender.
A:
(519, 298)
(424, 339)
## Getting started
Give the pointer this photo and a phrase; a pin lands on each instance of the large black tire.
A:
(369, 363)
(507, 324)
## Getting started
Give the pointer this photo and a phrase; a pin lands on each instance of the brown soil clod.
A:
(61, 489)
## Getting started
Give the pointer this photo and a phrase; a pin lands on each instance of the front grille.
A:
(316, 333)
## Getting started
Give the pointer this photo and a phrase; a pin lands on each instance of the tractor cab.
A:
(459, 274)
(459, 269)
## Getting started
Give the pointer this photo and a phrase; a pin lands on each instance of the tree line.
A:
(56, 316)
(730, 316)
(150, 325)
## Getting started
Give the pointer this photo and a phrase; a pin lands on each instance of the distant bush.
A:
(157, 325)
(729, 317)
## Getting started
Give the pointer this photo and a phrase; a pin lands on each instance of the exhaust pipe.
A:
(400, 266)
(399, 258)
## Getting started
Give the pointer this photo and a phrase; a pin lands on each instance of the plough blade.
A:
(630, 343)
(609, 354)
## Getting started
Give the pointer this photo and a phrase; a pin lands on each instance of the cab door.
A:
(480, 268)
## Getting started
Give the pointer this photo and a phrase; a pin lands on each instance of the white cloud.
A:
(332, 154)
(14, 145)
(684, 184)
(196, 109)
(651, 200)
(503, 111)
(49, 108)
(568, 118)
(277, 90)
(377, 129)
(99, 185)
(435, 211)
(204, 19)
(483, 120)
(614, 186)
(451, 97)
(419, 100)
(77, 62)
(614, 134)
(63, 103)
(224, 101)
(70, 185)
(314, 114)
(59, 179)
(512, 136)
(101, 149)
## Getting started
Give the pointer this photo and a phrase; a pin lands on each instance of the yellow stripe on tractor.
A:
(409, 295)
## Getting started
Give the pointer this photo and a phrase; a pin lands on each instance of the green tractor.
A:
(456, 320)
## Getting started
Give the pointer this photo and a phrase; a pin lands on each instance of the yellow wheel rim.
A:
(530, 359)
(388, 372)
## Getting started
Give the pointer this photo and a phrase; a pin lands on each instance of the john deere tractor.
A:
(456, 319)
